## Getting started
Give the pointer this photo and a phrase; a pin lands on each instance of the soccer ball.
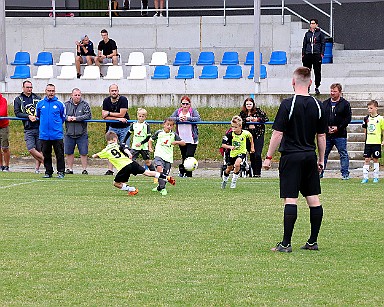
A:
(190, 164)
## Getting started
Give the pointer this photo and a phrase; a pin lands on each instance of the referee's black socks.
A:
(290, 216)
(315, 217)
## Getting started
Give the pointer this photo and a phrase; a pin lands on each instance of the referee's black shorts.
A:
(133, 168)
(299, 173)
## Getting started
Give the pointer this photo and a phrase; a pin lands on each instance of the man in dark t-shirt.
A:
(106, 50)
(299, 121)
(115, 107)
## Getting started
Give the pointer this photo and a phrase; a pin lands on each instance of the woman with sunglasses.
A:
(187, 131)
(249, 114)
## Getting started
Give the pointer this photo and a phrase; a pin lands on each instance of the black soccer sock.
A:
(151, 167)
(290, 216)
(315, 217)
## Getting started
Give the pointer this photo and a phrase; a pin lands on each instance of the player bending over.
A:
(120, 157)
(236, 142)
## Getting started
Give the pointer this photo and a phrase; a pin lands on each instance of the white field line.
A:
(16, 184)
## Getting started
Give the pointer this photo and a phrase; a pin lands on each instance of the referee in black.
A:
(299, 121)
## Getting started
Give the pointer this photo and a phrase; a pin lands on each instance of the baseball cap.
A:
(83, 37)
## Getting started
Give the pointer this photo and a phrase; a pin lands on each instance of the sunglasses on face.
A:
(185, 103)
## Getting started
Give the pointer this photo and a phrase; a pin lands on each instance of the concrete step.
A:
(353, 155)
(335, 164)
(356, 137)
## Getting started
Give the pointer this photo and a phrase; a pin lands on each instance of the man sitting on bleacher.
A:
(106, 50)
(85, 53)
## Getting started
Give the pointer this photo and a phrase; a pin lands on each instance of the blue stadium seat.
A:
(209, 72)
(44, 58)
(161, 72)
(250, 58)
(185, 72)
(21, 72)
(22, 58)
(278, 58)
(230, 58)
(206, 58)
(263, 72)
(233, 72)
(182, 58)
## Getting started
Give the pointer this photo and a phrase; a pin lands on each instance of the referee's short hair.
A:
(302, 75)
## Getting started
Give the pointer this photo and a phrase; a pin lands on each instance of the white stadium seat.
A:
(44, 72)
(114, 73)
(91, 73)
(159, 59)
(138, 73)
(135, 58)
(66, 59)
(68, 73)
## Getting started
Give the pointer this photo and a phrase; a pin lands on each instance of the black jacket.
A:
(24, 108)
(341, 117)
(318, 39)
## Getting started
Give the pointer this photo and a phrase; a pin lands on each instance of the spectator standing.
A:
(5, 154)
(84, 53)
(76, 133)
(144, 6)
(115, 107)
(188, 132)
(159, 7)
(51, 113)
(250, 113)
(106, 50)
(313, 51)
(299, 120)
(374, 138)
(24, 106)
(338, 114)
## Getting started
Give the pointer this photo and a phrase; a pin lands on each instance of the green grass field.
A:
(80, 241)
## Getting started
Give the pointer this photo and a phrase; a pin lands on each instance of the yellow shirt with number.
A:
(115, 156)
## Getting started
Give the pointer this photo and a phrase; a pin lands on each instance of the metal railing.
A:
(54, 13)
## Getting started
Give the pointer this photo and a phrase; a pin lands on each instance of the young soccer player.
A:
(120, 157)
(166, 140)
(374, 138)
(141, 135)
(236, 142)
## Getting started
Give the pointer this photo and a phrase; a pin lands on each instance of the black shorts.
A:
(299, 173)
(372, 150)
(232, 160)
(144, 154)
(132, 168)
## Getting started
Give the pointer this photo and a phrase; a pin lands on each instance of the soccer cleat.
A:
(132, 193)
(375, 180)
(2, 167)
(47, 176)
(346, 177)
(155, 190)
(108, 172)
(69, 172)
(280, 248)
(312, 247)
(163, 192)
(365, 180)
(5, 168)
(60, 175)
(223, 184)
(84, 172)
(171, 180)
(233, 185)
(37, 171)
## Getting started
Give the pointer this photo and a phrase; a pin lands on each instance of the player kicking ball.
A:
(120, 157)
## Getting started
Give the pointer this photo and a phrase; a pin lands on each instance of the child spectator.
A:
(166, 140)
(141, 135)
(374, 138)
(236, 142)
(120, 157)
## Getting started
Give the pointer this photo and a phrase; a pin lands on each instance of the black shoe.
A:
(256, 176)
(60, 175)
(312, 247)
(101, 75)
(69, 172)
(78, 76)
(47, 176)
(108, 172)
(280, 248)
(317, 92)
(84, 172)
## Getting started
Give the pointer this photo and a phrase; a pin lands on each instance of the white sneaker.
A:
(233, 185)
(223, 184)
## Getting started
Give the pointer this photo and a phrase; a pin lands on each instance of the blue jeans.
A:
(121, 133)
(341, 145)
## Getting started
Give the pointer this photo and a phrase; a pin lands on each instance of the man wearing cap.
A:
(85, 53)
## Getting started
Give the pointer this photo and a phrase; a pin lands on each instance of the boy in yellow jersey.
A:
(166, 141)
(120, 157)
(236, 142)
(374, 131)
(141, 135)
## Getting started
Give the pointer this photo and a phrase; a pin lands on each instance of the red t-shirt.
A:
(3, 112)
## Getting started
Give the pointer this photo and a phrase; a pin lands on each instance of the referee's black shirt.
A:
(300, 128)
